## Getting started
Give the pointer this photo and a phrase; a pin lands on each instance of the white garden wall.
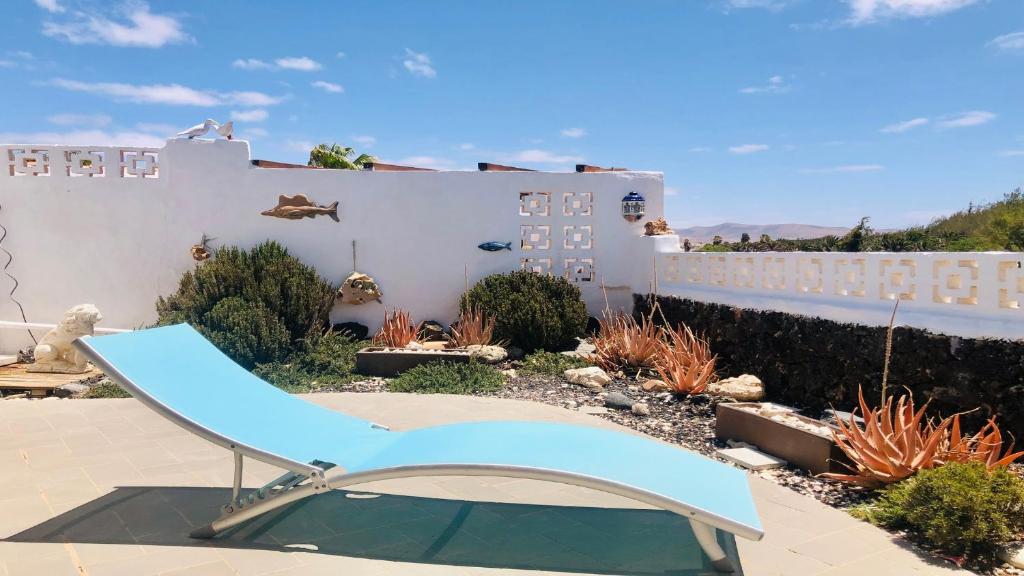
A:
(116, 230)
(962, 294)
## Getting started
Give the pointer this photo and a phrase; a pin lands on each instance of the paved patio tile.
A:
(63, 456)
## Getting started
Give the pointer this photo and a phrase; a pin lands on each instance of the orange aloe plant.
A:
(622, 342)
(686, 364)
(985, 446)
(474, 327)
(397, 331)
(895, 442)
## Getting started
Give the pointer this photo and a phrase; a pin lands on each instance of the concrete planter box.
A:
(376, 361)
(799, 447)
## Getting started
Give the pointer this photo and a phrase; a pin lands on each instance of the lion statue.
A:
(55, 354)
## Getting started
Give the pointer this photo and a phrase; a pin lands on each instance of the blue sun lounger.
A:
(179, 374)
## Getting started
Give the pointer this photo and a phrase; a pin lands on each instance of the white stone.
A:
(654, 385)
(1013, 555)
(590, 377)
(488, 354)
(641, 409)
(745, 388)
(55, 354)
(750, 458)
(510, 373)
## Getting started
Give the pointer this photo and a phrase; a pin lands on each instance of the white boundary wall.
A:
(116, 230)
(966, 294)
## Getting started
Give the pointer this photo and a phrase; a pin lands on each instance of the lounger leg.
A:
(709, 543)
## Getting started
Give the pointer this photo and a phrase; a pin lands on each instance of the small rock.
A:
(354, 329)
(618, 400)
(633, 388)
(654, 385)
(591, 377)
(70, 389)
(414, 346)
(571, 404)
(593, 325)
(431, 331)
(1013, 555)
(641, 409)
(745, 388)
(510, 373)
(488, 354)
(434, 345)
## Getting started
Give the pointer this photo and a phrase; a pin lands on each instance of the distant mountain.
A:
(731, 231)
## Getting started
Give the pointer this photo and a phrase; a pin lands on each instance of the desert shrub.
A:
(961, 508)
(550, 363)
(267, 275)
(397, 331)
(474, 328)
(532, 311)
(248, 332)
(445, 377)
(622, 343)
(106, 390)
(686, 363)
(322, 363)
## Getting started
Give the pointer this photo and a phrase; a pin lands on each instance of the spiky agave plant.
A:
(474, 328)
(397, 331)
(623, 343)
(895, 442)
(686, 363)
(985, 446)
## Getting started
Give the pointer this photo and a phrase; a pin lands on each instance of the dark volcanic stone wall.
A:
(813, 363)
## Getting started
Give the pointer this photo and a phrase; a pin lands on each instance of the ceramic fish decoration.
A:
(299, 206)
(495, 246)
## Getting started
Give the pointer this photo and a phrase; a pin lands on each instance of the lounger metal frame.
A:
(309, 479)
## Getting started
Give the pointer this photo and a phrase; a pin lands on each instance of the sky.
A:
(757, 111)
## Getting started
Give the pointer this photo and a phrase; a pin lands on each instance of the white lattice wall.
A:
(113, 226)
(966, 294)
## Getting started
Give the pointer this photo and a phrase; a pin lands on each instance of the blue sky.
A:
(757, 111)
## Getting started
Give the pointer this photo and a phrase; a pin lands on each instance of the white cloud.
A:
(299, 145)
(699, 149)
(868, 11)
(574, 132)
(139, 27)
(251, 64)
(1009, 42)
(904, 126)
(775, 85)
(541, 157)
(364, 140)
(300, 63)
(671, 191)
(253, 133)
(339, 55)
(467, 146)
(972, 118)
(7, 64)
(328, 86)
(418, 64)
(844, 169)
(84, 138)
(159, 128)
(1011, 153)
(254, 115)
(170, 94)
(51, 6)
(748, 148)
(93, 120)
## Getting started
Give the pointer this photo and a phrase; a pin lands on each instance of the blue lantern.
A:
(632, 207)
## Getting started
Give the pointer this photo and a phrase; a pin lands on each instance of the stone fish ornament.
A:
(359, 288)
(300, 206)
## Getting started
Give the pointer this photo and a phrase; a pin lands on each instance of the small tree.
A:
(717, 240)
(854, 240)
(338, 157)
(744, 238)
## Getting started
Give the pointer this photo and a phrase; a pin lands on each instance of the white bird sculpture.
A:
(199, 129)
(226, 129)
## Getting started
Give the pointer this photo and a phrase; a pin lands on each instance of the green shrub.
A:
(321, 363)
(248, 332)
(106, 390)
(532, 311)
(445, 377)
(273, 282)
(959, 508)
(550, 363)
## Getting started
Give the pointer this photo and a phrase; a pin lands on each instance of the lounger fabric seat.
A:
(178, 373)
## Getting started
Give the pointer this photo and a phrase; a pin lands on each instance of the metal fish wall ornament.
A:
(496, 246)
(299, 206)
